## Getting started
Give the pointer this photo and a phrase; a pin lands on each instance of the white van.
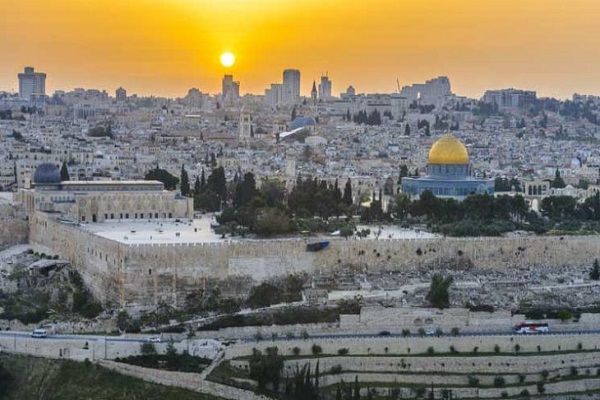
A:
(39, 333)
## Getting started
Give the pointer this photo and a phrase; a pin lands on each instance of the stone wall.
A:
(145, 275)
(14, 227)
(417, 345)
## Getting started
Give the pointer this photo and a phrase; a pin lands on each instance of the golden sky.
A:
(165, 47)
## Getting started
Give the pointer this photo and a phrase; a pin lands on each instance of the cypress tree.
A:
(347, 197)
(185, 182)
(64, 172)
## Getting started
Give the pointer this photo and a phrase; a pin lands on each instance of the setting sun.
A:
(227, 59)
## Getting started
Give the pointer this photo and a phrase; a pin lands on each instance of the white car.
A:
(154, 339)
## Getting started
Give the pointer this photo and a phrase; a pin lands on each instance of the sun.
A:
(227, 59)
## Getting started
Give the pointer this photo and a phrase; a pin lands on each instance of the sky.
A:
(165, 47)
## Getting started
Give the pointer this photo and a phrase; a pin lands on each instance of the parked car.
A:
(154, 339)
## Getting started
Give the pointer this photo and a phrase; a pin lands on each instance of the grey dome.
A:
(46, 174)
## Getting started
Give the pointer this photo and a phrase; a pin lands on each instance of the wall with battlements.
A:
(147, 274)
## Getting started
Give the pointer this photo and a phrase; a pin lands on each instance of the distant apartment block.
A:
(291, 86)
(431, 92)
(32, 85)
(325, 88)
(231, 89)
(121, 94)
(509, 98)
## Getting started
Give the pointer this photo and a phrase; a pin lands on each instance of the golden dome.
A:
(448, 150)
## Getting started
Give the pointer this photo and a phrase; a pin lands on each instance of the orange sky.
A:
(165, 47)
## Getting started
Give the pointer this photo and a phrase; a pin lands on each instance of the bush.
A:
(545, 374)
(504, 395)
(455, 331)
(343, 351)
(517, 348)
(473, 381)
(148, 349)
(475, 349)
(430, 350)
(405, 332)
(439, 332)
(304, 335)
(316, 349)
(524, 393)
(521, 378)
(579, 346)
(336, 369)
(574, 371)
(496, 348)
(540, 387)
(296, 350)
(421, 332)
(499, 381)
(453, 349)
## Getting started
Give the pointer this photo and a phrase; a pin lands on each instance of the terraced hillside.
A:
(469, 367)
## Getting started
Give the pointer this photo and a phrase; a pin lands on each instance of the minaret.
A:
(313, 94)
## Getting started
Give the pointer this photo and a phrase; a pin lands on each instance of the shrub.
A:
(258, 336)
(540, 387)
(421, 332)
(521, 378)
(343, 351)
(499, 381)
(430, 350)
(496, 348)
(296, 350)
(289, 334)
(473, 381)
(539, 348)
(517, 348)
(405, 332)
(304, 335)
(524, 393)
(453, 349)
(475, 349)
(316, 349)
(439, 332)
(545, 374)
(336, 369)
(455, 331)
(504, 395)
(579, 346)
(574, 371)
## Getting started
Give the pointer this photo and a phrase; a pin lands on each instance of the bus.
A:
(531, 327)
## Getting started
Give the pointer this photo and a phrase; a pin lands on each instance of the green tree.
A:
(595, 271)
(64, 172)
(407, 130)
(558, 182)
(438, 295)
(347, 197)
(148, 349)
(266, 368)
(163, 176)
(264, 295)
(185, 182)
(5, 381)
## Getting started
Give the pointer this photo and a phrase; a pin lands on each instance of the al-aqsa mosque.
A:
(448, 173)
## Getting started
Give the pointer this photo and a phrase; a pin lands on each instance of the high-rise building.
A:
(325, 88)
(231, 89)
(121, 94)
(32, 85)
(291, 86)
(273, 95)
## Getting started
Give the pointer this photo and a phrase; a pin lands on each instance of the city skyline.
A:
(164, 48)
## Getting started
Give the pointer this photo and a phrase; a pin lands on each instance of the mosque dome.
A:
(448, 150)
(46, 174)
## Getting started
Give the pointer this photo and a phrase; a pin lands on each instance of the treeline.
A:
(484, 215)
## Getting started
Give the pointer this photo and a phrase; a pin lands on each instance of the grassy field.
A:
(42, 379)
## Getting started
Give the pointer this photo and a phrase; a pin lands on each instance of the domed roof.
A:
(46, 174)
(448, 150)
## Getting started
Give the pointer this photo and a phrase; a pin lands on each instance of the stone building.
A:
(448, 173)
(98, 201)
